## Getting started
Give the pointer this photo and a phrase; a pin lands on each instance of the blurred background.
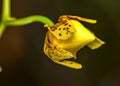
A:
(21, 48)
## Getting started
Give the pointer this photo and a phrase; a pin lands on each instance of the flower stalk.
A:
(7, 20)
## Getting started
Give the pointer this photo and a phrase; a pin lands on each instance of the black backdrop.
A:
(25, 64)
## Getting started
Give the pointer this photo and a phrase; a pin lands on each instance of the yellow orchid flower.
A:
(66, 37)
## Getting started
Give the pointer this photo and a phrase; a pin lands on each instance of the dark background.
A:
(21, 48)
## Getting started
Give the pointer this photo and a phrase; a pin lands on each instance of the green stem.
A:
(7, 20)
(2, 29)
(6, 8)
(30, 19)
(5, 15)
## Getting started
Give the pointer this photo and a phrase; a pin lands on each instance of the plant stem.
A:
(2, 29)
(6, 10)
(7, 20)
(30, 19)
(5, 15)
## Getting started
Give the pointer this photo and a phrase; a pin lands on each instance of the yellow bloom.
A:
(66, 37)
